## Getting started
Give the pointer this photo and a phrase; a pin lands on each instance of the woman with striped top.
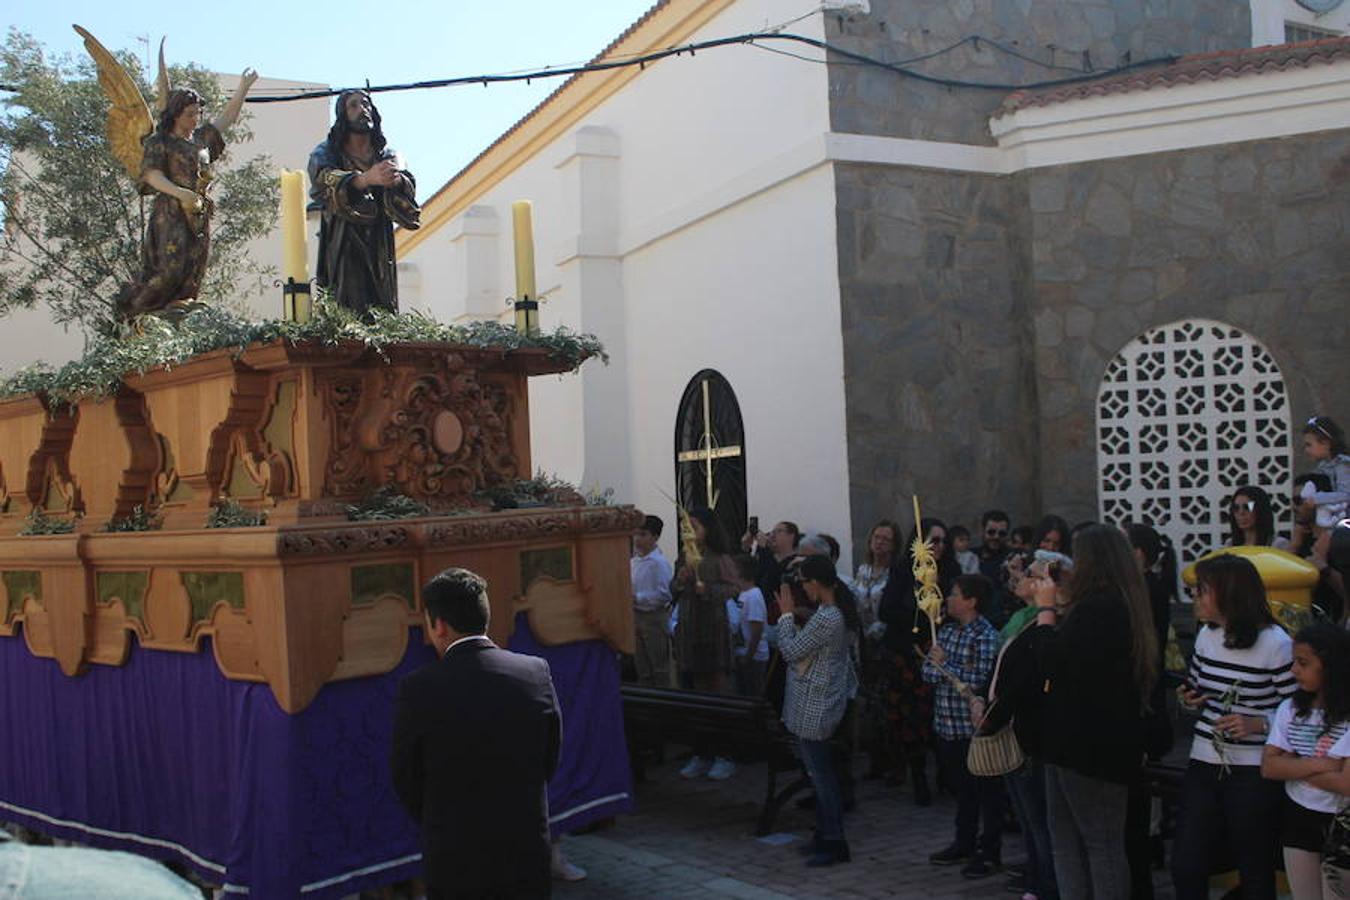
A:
(1307, 750)
(1238, 676)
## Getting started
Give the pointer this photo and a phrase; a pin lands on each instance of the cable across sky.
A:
(757, 39)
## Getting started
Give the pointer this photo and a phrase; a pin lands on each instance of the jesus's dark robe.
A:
(356, 236)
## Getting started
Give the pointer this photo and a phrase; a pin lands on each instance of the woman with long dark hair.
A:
(1238, 675)
(1307, 749)
(1097, 648)
(1251, 519)
(820, 683)
(1017, 697)
(905, 643)
(868, 584)
(703, 636)
(1158, 562)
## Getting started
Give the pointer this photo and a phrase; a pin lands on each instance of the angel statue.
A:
(169, 159)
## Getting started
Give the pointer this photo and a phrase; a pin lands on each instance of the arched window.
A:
(710, 451)
(1187, 413)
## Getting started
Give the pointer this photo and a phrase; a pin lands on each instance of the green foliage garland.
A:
(386, 503)
(139, 520)
(229, 514)
(37, 522)
(155, 341)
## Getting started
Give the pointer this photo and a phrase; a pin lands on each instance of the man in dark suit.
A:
(476, 739)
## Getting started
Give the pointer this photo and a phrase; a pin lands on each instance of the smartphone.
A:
(753, 527)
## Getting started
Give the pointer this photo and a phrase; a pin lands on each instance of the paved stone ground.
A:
(694, 840)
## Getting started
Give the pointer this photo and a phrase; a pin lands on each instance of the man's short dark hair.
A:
(994, 515)
(653, 525)
(458, 598)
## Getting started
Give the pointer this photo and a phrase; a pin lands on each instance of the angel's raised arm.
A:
(230, 114)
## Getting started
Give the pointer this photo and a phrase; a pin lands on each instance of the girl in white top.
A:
(1307, 749)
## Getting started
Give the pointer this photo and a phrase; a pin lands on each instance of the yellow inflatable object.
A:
(1289, 581)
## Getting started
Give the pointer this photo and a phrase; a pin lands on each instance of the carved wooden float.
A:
(300, 431)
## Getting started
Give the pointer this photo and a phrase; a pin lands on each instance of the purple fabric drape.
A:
(166, 757)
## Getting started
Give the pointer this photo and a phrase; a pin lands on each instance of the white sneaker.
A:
(697, 767)
(721, 769)
(564, 869)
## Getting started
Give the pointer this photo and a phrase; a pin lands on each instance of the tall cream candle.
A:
(295, 252)
(522, 226)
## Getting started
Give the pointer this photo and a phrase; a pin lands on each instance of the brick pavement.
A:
(694, 840)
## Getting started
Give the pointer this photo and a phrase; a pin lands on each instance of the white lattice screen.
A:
(1186, 413)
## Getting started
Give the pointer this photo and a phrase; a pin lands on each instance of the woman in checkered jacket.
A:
(820, 682)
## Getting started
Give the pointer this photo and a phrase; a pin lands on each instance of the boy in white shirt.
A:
(651, 575)
(752, 648)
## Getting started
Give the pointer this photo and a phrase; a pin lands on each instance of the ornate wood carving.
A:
(611, 518)
(436, 430)
(345, 474)
(487, 530)
(352, 539)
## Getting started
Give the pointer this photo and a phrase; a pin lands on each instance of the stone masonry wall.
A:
(937, 336)
(1256, 235)
(871, 100)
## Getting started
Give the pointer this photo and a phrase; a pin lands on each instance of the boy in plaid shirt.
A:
(967, 646)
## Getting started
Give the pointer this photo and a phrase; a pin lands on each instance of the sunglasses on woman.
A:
(1248, 505)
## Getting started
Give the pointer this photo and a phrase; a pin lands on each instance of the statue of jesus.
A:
(361, 188)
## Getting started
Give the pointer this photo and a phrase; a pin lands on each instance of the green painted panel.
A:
(19, 585)
(241, 486)
(129, 587)
(277, 432)
(370, 583)
(206, 589)
(555, 562)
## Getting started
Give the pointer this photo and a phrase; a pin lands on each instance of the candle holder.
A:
(527, 315)
(296, 304)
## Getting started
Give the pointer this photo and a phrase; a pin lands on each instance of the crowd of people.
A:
(1043, 692)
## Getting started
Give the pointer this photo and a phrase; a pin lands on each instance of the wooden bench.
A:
(654, 717)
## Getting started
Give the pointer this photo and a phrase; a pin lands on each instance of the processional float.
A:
(223, 696)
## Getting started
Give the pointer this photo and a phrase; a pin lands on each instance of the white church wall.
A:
(754, 294)
(657, 229)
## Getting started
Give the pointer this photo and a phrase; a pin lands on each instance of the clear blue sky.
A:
(345, 43)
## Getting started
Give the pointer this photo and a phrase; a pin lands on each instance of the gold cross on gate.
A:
(709, 452)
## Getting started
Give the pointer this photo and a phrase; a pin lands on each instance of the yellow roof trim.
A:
(667, 23)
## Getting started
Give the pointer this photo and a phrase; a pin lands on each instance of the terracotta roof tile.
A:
(1192, 69)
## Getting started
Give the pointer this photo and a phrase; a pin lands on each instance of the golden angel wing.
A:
(129, 121)
(161, 82)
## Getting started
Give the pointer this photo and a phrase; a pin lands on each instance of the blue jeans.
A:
(1226, 820)
(1087, 827)
(818, 756)
(1026, 788)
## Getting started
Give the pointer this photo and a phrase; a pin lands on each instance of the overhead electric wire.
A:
(757, 39)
